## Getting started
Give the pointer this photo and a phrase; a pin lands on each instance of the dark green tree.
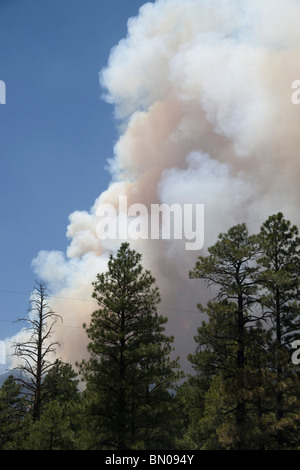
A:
(60, 383)
(246, 384)
(60, 422)
(225, 355)
(12, 413)
(53, 431)
(279, 278)
(130, 375)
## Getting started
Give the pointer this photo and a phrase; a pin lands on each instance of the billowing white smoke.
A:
(202, 94)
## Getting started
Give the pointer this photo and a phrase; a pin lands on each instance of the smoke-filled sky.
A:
(189, 102)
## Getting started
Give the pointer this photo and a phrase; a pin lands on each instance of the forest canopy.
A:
(243, 394)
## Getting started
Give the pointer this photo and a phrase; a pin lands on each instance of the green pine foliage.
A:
(130, 374)
(12, 413)
(279, 273)
(251, 395)
(129, 394)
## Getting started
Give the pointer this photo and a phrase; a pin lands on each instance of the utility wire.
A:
(90, 300)
(94, 301)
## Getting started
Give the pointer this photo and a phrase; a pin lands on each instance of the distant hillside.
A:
(3, 377)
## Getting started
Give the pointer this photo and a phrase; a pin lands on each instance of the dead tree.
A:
(36, 349)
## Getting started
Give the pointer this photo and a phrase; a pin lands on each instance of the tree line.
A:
(244, 393)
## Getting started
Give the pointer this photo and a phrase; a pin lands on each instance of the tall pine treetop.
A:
(130, 374)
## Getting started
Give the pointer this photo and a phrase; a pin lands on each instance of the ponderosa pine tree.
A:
(225, 354)
(129, 375)
(60, 383)
(247, 386)
(12, 412)
(61, 414)
(279, 277)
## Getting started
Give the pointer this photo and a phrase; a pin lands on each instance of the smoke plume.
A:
(201, 92)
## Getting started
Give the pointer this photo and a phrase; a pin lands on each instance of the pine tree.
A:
(12, 412)
(60, 422)
(54, 429)
(279, 278)
(60, 383)
(225, 353)
(129, 376)
(248, 387)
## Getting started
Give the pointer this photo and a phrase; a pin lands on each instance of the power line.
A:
(53, 296)
(81, 328)
(94, 301)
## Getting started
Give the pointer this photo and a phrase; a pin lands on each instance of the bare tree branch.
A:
(36, 350)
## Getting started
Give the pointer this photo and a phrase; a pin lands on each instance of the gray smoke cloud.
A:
(202, 96)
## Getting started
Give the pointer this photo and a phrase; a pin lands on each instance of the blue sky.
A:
(56, 132)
